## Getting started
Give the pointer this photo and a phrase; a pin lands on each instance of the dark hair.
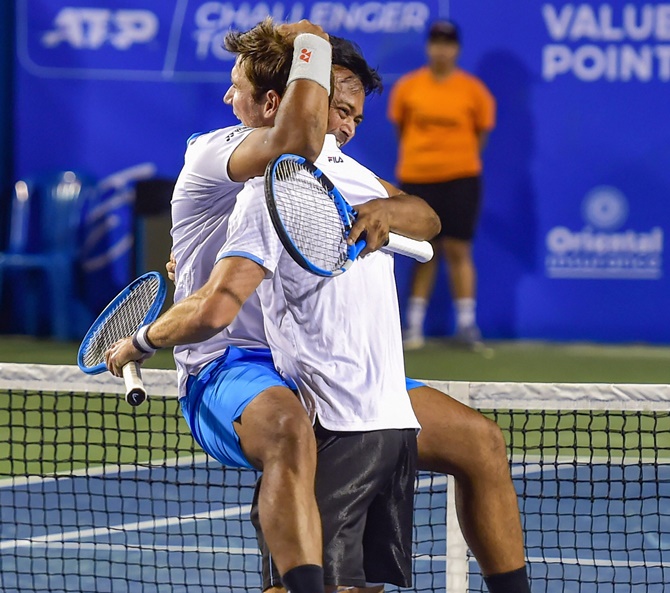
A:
(265, 55)
(444, 30)
(348, 55)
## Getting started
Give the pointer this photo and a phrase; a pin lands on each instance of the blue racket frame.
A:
(152, 315)
(344, 209)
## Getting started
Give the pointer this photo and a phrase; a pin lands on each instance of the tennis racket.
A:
(313, 219)
(136, 305)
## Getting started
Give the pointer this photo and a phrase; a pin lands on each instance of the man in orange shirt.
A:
(444, 116)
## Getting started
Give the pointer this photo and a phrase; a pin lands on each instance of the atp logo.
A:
(305, 55)
(90, 28)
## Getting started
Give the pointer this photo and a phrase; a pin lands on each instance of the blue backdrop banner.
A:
(577, 173)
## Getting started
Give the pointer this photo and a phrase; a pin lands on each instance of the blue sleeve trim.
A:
(192, 137)
(244, 254)
(413, 384)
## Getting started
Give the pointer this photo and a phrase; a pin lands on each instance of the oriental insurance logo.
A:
(604, 248)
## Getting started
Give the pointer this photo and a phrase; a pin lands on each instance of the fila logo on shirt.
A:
(335, 159)
(305, 55)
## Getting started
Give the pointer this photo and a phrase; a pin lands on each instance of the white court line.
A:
(569, 561)
(133, 526)
(96, 547)
(127, 468)
(126, 548)
(531, 464)
(600, 562)
(168, 462)
(536, 464)
(60, 538)
(152, 524)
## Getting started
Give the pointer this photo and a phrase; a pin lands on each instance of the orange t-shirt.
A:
(439, 122)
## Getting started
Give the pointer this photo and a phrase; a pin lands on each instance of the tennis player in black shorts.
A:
(365, 492)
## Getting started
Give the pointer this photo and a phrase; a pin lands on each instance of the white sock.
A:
(465, 312)
(416, 315)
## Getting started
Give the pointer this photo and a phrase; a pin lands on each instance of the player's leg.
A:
(462, 202)
(462, 282)
(423, 282)
(462, 273)
(423, 278)
(356, 474)
(242, 413)
(458, 440)
(277, 437)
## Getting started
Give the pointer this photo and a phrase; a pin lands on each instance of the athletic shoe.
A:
(469, 337)
(413, 341)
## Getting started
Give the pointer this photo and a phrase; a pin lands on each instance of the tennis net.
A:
(98, 496)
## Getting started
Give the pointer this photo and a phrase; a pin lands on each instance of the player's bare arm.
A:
(399, 213)
(300, 116)
(171, 267)
(199, 316)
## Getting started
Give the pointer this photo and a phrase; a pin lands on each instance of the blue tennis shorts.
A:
(218, 395)
(412, 384)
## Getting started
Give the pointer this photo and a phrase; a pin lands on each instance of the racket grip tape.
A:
(421, 251)
(135, 391)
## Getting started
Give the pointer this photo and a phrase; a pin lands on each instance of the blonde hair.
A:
(265, 56)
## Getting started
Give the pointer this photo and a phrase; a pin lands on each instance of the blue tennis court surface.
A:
(161, 526)
(598, 527)
(593, 529)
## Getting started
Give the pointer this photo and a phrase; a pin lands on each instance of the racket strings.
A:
(310, 216)
(122, 322)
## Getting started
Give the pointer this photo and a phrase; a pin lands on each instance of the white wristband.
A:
(311, 60)
(141, 342)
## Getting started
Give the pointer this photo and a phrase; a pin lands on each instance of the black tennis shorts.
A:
(457, 203)
(365, 492)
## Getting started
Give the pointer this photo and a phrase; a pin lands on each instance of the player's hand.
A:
(372, 223)
(291, 30)
(120, 354)
(171, 266)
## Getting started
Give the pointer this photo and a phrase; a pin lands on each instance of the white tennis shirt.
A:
(338, 338)
(202, 201)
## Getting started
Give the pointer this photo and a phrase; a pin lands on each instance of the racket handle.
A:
(135, 392)
(421, 251)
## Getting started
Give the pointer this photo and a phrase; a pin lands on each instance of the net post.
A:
(456, 548)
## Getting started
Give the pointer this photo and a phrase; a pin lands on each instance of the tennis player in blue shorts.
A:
(455, 440)
(358, 398)
(238, 408)
(202, 186)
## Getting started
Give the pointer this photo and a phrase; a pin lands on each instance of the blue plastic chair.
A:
(40, 260)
